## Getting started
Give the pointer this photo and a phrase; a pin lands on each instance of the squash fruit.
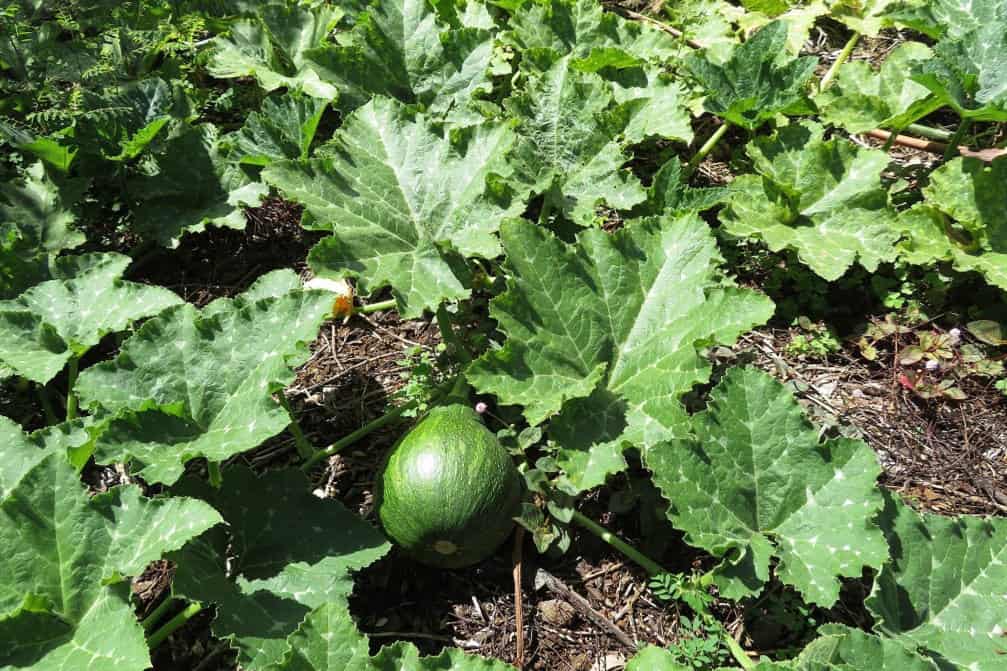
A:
(448, 490)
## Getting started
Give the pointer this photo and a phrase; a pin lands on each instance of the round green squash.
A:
(448, 490)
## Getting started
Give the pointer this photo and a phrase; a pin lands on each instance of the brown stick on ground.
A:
(986, 155)
(545, 579)
(518, 607)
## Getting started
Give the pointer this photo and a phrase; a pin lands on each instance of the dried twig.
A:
(518, 603)
(545, 579)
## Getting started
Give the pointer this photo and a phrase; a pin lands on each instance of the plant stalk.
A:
(304, 448)
(648, 564)
(380, 306)
(347, 440)
(956, 140)
(930, 133)
(707, 147)
(71, 380)
(173, 625)
(451, 338)
(155, 615)
(213, 473)
(843, 56)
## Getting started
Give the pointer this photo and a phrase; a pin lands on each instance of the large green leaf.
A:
(969, 72)
(401, 49)
(193, 384)
(191, 186)
(759, 81)
(63, 601)
(604, 336)
(822, 198)
(272, 47)
(943, 588)
(862, 99)
(403, 203)
(658, 107)
(329, 641)
(962, 220)
(280, 556)
(283, 129)
(65, 317)
(754, 482)
(570, 145)
(593, 37)
(951, 18)
(41, 212)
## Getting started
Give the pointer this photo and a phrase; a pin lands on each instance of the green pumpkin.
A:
(448, 490)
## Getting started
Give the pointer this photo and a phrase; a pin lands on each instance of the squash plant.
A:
(476, 161)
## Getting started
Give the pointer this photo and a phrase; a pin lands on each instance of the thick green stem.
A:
(707, 147)
(156, 614)
(930, 133)
(651, 566)
(451, 338)
(380, 306)
(173, 625)
(843, 56)
(304, 448)
(71, 380)
(955, 141)
(345, 441)
(214, 474)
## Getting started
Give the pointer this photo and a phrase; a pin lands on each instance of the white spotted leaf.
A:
(194, 383)
(603, 336)
(822, 198)
(64, 601)
(403, 204)
(754, 482)
(945, 587)
(55, 320)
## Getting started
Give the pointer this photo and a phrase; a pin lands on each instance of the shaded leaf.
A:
(757, 82)
(280, 557)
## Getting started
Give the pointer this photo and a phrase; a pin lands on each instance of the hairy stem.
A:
(380, 306)
(955, 141)
(304, 448)
(843, 56)
(213, 473)
(649, 565)
(173, 625)
(71, 380)
(930, 133)
(451, 338)
(156, 614)
(707, 147)
(370, 427)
